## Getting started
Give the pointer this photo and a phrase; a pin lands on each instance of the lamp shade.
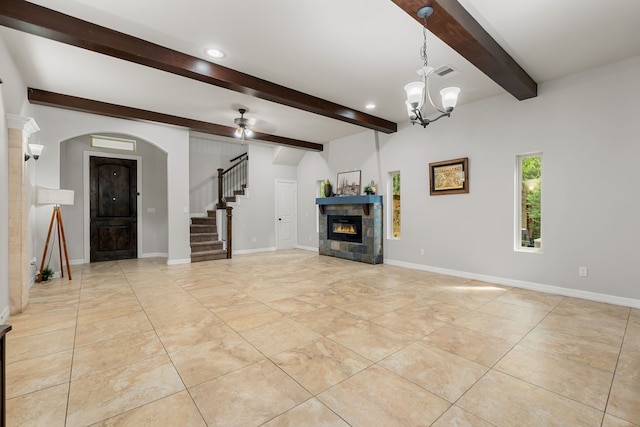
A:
(36, 150)
(52, 196)
(409, 109)
(414, 94)
(449, 97)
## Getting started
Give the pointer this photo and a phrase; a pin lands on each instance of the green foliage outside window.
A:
(396, 183)
(531, 167)
(532, 190)
(395, 189)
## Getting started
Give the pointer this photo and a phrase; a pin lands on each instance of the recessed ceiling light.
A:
(214, 53)
(370, 106)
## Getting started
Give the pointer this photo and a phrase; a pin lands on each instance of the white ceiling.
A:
(349, 52)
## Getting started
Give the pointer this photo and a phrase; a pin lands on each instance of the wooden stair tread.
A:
(209, 255)
(203, 220)
(213, 251)
(206, 242)
(206, 246)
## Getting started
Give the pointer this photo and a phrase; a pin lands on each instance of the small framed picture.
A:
(449, 177)
(348, 183)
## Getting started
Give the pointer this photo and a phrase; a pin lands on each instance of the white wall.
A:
(205, 157)
(255, 216)
(313, 167)
(59, 125)
(584, 124)
(14, 90)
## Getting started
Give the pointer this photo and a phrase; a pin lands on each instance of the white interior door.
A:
(286, 220)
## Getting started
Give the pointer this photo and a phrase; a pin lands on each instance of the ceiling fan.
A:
(242, 130)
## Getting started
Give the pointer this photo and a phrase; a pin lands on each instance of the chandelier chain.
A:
(426, 73)
(423, 53)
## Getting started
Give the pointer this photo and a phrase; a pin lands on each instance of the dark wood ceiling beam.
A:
(452, 24)
(52, 99)
(34, 19)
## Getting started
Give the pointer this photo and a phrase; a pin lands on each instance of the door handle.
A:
(279, 219)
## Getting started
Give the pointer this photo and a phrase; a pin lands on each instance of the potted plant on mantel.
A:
(370, 189)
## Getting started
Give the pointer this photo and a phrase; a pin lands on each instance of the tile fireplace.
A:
(351, 228)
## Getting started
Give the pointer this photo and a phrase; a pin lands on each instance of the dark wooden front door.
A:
(113, 208)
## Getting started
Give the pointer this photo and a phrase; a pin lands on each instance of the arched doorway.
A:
(150, 204)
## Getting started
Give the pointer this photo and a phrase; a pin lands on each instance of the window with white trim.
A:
(528, 233)
(393, 191)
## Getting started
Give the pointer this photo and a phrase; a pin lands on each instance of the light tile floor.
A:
(292, 338)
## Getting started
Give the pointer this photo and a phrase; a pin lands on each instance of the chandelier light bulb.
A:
(414, 94)
(449, 97)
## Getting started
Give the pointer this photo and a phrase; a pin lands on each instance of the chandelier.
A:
(418, 92)
(242, 131)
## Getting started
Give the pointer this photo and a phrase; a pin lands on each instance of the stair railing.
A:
(232, 180)
(229, 210)
(230, 183)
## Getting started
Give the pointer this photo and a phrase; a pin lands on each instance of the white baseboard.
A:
(154, 255)
(32, 280)
(4, 315)
(550, 289)
(179, 261)
(147, 255)
(254, 251)
(307, 248)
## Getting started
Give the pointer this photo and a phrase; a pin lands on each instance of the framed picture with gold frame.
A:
(449, 177)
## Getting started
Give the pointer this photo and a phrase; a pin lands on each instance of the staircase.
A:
(236, 193)
(205, 245)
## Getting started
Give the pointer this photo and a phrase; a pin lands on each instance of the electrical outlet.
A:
(253, 240)
(583, 271)
(421, 251)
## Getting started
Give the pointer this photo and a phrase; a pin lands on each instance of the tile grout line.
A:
(615, 370)
(165, 350)
(492, 367)
(73, 348)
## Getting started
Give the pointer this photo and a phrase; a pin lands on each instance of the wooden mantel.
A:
(365, 201)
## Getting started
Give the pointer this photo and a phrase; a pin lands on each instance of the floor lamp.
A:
(46, 196)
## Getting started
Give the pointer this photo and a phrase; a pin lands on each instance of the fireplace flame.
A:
(344, 228)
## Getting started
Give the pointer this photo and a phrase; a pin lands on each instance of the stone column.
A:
(20, 129)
